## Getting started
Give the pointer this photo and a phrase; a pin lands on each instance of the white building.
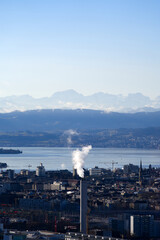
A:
(58, 186)
(40, 171)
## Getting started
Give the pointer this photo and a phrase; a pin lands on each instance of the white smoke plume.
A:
(70, 133)
(63, 166)
(78, 157)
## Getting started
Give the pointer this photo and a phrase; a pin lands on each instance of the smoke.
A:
(70, 133)
(69, 140)
(78, 157)
(63, 166)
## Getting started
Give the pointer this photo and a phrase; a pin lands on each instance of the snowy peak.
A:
(71, 99)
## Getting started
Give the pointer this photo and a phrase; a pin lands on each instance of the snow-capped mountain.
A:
(71, 99)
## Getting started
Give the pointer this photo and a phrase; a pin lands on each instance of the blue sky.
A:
(111, 46)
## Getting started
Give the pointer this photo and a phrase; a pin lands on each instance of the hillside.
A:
(51, 120)
(146, 138)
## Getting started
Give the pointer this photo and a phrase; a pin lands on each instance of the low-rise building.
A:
(95, 171)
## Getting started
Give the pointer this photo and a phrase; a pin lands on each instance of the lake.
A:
(61, 158)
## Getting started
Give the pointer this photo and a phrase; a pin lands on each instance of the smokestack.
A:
(74, 172)
(78, 158)
(83, 206)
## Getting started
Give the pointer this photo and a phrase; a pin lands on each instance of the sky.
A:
(110, 46)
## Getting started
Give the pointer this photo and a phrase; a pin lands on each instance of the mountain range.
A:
(80, 119)
(71, 99)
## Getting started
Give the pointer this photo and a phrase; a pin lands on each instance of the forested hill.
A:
(53, 120)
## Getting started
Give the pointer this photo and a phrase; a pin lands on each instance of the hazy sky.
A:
(86, 45)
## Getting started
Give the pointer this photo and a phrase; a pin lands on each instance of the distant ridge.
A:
(51, 120)
(71, 99)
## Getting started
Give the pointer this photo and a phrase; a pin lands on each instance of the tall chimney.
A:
(74, 172)
(83, 206)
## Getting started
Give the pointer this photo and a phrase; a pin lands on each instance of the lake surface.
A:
(61, 158)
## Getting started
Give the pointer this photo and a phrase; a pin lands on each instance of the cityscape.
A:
(79, 120)
(120, 203)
